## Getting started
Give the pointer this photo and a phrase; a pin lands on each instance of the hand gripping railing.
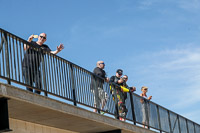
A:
(66, 80)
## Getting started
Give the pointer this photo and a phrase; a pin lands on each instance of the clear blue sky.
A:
(155, 42)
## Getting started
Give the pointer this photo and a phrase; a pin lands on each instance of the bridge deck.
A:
(30, 107)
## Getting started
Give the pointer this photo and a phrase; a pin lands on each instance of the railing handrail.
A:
(79, 79)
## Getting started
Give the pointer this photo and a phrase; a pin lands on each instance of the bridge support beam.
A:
(113, 131)
(4, 121)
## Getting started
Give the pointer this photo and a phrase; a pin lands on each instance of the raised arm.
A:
(29, 40)
(59, 48)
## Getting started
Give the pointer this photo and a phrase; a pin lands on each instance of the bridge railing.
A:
(66, 80)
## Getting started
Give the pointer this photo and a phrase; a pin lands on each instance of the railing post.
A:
(132, 107)
(187, 125)
(158, 113)
(146, 107)
(44, 74)
(116, 102)
(194, 127)
(73, 85)
(170, 127)
(7, 57)
(179, 124)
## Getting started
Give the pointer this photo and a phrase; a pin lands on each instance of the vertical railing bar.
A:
(49, 64)
(21, 59)
(37, 77)
(69, 80)
(52, 73)
(60, 78)
(46, 72)
(9, 46)
(179, 124)
(3, 55)
(86, 86)
(56, 73)
(158, 113)
(17, 55)
(76, 83)
(3, 58)
(31, 68)
(81, 86)
(89, 86)
(26, 74)
(55, 78)
(194, 127)
(132, 107)
(73, 86)
(7, 58)
(57, 69)
(64, 78)
(170, 127)
(186, 122)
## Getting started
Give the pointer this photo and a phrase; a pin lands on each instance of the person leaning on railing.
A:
(32, 59)
(101, 96)
(145, 105)
(124, 89)
(119, 94)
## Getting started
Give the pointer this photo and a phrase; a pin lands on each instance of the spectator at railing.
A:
(145, 105)
(132, 89)
(124, 89)
(32, 58)
(119, 94)
(100, 96)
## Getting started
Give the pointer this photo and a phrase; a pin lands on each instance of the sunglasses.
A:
(145, 89)
(102, 63)
(43, 37)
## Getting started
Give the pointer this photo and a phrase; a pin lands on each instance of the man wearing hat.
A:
(118, 81)
(117, 78)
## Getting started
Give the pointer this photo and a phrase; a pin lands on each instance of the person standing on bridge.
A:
(145, 106)
(32, 59)
(124, 89)
(100, 96)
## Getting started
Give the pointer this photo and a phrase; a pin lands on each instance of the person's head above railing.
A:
(41, 40)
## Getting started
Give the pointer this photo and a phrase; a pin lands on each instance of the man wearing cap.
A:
(117, 78)
(116, 89)
(100, 96)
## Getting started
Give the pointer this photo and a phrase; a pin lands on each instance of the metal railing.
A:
(66, 80)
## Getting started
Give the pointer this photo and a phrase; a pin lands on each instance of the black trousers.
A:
(32, 77)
